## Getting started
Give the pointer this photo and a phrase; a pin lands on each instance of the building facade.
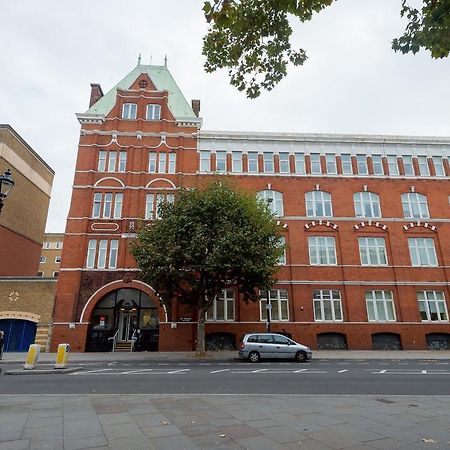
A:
(26, 301)
(50, 259)
(365, 220)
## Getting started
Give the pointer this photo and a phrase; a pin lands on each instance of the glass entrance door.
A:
(127, 325)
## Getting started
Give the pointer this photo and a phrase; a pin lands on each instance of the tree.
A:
(205, 241)
(251, 38)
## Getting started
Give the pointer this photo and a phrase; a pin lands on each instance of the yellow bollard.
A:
(32, 357)
(62, 356)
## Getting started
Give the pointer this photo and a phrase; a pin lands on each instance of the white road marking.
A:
(178, 371)
(136, 371)
(381, 371)
(343, 371)
(424, 371)
(300, 370)
(258, 370)
(221, 370)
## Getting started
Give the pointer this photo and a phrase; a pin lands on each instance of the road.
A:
(332, 377)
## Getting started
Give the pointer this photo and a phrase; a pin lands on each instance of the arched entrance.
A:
(19, 334)
(128, 315)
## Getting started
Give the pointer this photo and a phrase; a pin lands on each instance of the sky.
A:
(352, 81)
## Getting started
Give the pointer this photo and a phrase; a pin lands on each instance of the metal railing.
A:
(133, 340)
(114, 339)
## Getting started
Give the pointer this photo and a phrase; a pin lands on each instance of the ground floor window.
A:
(380, 306)
(223, 307)
(278, 305)
(432, 306)
(327, 305)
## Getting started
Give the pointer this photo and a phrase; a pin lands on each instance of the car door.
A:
(282, 348)
(266, 346)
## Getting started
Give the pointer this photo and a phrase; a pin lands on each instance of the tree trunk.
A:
(200, 349)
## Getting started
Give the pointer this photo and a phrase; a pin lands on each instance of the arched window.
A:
(415, 206)
(274, 200)
(318, 204)
(367, 204)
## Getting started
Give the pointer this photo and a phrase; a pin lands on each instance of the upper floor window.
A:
(153, 112)
(392, 164)
(361, 161)
(153, 202)
(284, 162)
(157, 162)
(300, 163)
(58, 245)
(172, 163)
(55, 274)
(97, 255)
(438, 166)
(221, 161)
(277, 306)
(432, 306)
(322, 250)
(42, 259)
(236, 162)
(252, 160)
(377, 165)
(330, 159)
(318, 204)
(408, 167)
(327, 306)
(380, 306)
(205, 161)
(274, 199)
(46, 245)
(112, 161)
(112, 205)
(415, 206)
(346, 162)
(129, 111)
(268, 162)
(424, 170)
(282, 258)
(57, 259)
(422, 252)
(316, 167)
(222, 307)
(40, 274)
(372, 251)
(367, 204)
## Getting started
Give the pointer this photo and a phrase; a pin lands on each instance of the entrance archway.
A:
(19, 334)
(126, 316)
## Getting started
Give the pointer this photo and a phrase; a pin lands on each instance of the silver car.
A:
(255, 346)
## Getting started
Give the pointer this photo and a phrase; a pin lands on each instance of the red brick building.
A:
(366, 223)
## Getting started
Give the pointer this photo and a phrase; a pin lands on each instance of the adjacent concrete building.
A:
(365, 219)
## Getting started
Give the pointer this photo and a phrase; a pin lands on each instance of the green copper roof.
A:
(163, 81)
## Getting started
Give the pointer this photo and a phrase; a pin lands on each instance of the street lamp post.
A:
(268, 310)
(6, 183)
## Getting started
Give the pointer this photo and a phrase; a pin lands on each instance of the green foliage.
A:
(251, 38)
(205, 241)
(428, 28)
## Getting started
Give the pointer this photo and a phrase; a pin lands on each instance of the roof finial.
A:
(139, 60)
(165, 61)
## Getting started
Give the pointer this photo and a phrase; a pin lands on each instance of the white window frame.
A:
(330, 159)
(122, 165)
(274, 200)
(42, 259)
(107, 205)
(377, 165)
(152, 202)
(432, 302)
(113, 252)
(57, 259)
(372, 251)
(91, 253)
(279, 302)
(269, 163)
(415, 206)
(439, 169)
(346, 163)
(227, 298)
(221, 161)
(102, 253)
(316, 201)
(118, 204)
(367, 204)
(129, 111)
(153, 111)
(102, 155)
(380, 303)
(422, 252)
(316, 165)
(112, 161)
(300, 167)
(283, 160)
(361, 163)
(282, 258)
(322, 250)
(321, 297)
(236, 162)
(55, 274)
(162, 162)
(392, 161)
(252, 162)
(172, 162)
(424, 169)
(408, 166)
(46, 245)
(152, 157)
(205, 161)
(58, 245)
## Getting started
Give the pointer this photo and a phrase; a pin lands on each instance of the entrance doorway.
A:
(127, 325)
(19, 334)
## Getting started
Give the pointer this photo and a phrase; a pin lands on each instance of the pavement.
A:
(228, 356)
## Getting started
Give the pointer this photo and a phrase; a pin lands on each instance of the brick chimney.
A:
(196, 106)
(96, 93)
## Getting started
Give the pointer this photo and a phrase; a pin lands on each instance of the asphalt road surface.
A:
(375, 377)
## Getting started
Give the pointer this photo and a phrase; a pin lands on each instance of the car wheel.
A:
(300, 356)
(254, 357)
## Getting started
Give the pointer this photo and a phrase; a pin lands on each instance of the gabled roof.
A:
(163, 81)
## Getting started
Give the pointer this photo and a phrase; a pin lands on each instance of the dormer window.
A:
(129, 111)
(153, 112)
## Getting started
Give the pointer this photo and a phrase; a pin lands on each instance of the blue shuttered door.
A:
(19, 334)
